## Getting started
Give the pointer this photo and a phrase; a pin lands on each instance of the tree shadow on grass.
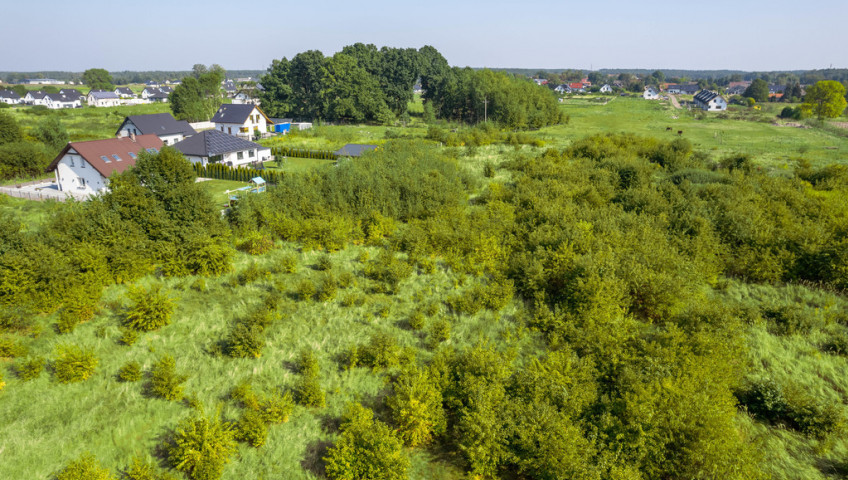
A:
(313, 458)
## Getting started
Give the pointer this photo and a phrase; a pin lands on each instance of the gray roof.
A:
(214, 142)
(59, 97)
(102, 94)
(72, 93)
(705, 96)
(234, 113)
(9, 94)
(38, 94)
(354, 150)
(124, 91)
(158, 124)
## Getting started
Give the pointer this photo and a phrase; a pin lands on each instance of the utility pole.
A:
(485, 110)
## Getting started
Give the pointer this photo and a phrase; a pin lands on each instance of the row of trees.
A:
(360, 83)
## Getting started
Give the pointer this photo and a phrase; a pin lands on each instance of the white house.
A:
(163, 125)
(85, 167)
(606, 88)
(650, 94)
(124, 92)
(710, 101)
(10, 97)
(102, 98)
(73, 94)
(241, 120)
(214, 146)
(155, 94)
(35, 98)
(58, 100)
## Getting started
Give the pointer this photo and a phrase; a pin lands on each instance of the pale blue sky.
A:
(174, 35)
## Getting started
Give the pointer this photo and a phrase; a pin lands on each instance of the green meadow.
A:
(791, 333)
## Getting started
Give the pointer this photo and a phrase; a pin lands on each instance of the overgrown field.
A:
(469, 303)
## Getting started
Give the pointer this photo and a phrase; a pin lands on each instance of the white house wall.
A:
(70, 178)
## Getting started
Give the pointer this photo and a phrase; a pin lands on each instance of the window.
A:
(71, 161)
(116, 157)
(165, 141)
(251, 153)
(105, 159)
(240, 155)
(132, 155)
(152, 150)
(82, 182)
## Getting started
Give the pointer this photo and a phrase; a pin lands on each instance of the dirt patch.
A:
(840, 124)
(790, 124)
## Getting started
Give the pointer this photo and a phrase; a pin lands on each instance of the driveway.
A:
(40, 191)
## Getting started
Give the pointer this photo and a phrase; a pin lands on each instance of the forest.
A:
(622, 307)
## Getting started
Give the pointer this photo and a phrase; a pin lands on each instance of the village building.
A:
(214, 146)
(103, 98)
(124, 92)
(710, 101)
(244, 120)
(10, 97)
(606, 88)
(73, 94)
(163, 125)
(85, 167)
(57, 100)
(35, 97)
(650, 94)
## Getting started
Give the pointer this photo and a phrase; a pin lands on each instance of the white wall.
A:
(70, 179)
(251, 124)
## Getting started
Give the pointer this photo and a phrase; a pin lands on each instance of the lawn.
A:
(772, 145)
(218, 189)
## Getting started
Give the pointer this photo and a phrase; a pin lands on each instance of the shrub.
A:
(388, 271)
(367, 449)
(245, 341)
(382, 351)
(416, 408)
(288, 264)
(256, 243)
(308, 392)
(324, 263)
(151, 309)
(165, 382)
(85, 468)
(30, 369)
(352, 299)
(837, 344)
(327, 288)
(11, 348)
(307, 363)
(276, 408)
(440, 331)
(777, 404)
(416, 321)
(129, 336)
(199, 285)
(201, 447)
(77, 309)
(244, 395)
(488, 170)
(251, 429)
(346, 279)
(790, 320)
(252, 273)
(305, 289)
(130, 372)
(142, 470)
(74, 364)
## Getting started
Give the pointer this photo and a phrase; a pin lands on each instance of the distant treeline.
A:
(804, 76)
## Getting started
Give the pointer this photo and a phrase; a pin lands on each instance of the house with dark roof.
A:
(35, 97)
(10, 97)
(73, 94)
(650, 93)
(58, 100)
(683, 88)
(215, 146)
(354, 150)
(155, 94)
(163, 125)
(103, 98)
(85, 167)
(243, 120)
(710, 101)
(124, 92)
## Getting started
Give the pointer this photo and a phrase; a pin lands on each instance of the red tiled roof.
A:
(93, 150)
(575, 85)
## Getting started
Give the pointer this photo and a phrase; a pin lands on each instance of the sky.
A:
(750, 35)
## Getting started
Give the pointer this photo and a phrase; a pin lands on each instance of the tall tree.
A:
(98, 79)
(758, 90)
(352, 94)
(307, 81)
(398, 72)
(825, 99)
(197, 99)
(276, 97)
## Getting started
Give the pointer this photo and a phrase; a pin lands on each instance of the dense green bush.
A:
(165, 382)
(86, 467)
(150, 309)
(11, 347)
(792, 407)
(73, 364)
(142, 470)
(201, 447)
(416, 407)
(245, 341)
(130, 372)
(288, 263)
(256, 243)
(251, 428)
(30, 368)
(308, 392)
(367, 449)
(306, 289)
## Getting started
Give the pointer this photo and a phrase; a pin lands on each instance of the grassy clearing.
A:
(87, 123)
(29, 213)
(218, 189)
(40, 444)
(773, 146)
